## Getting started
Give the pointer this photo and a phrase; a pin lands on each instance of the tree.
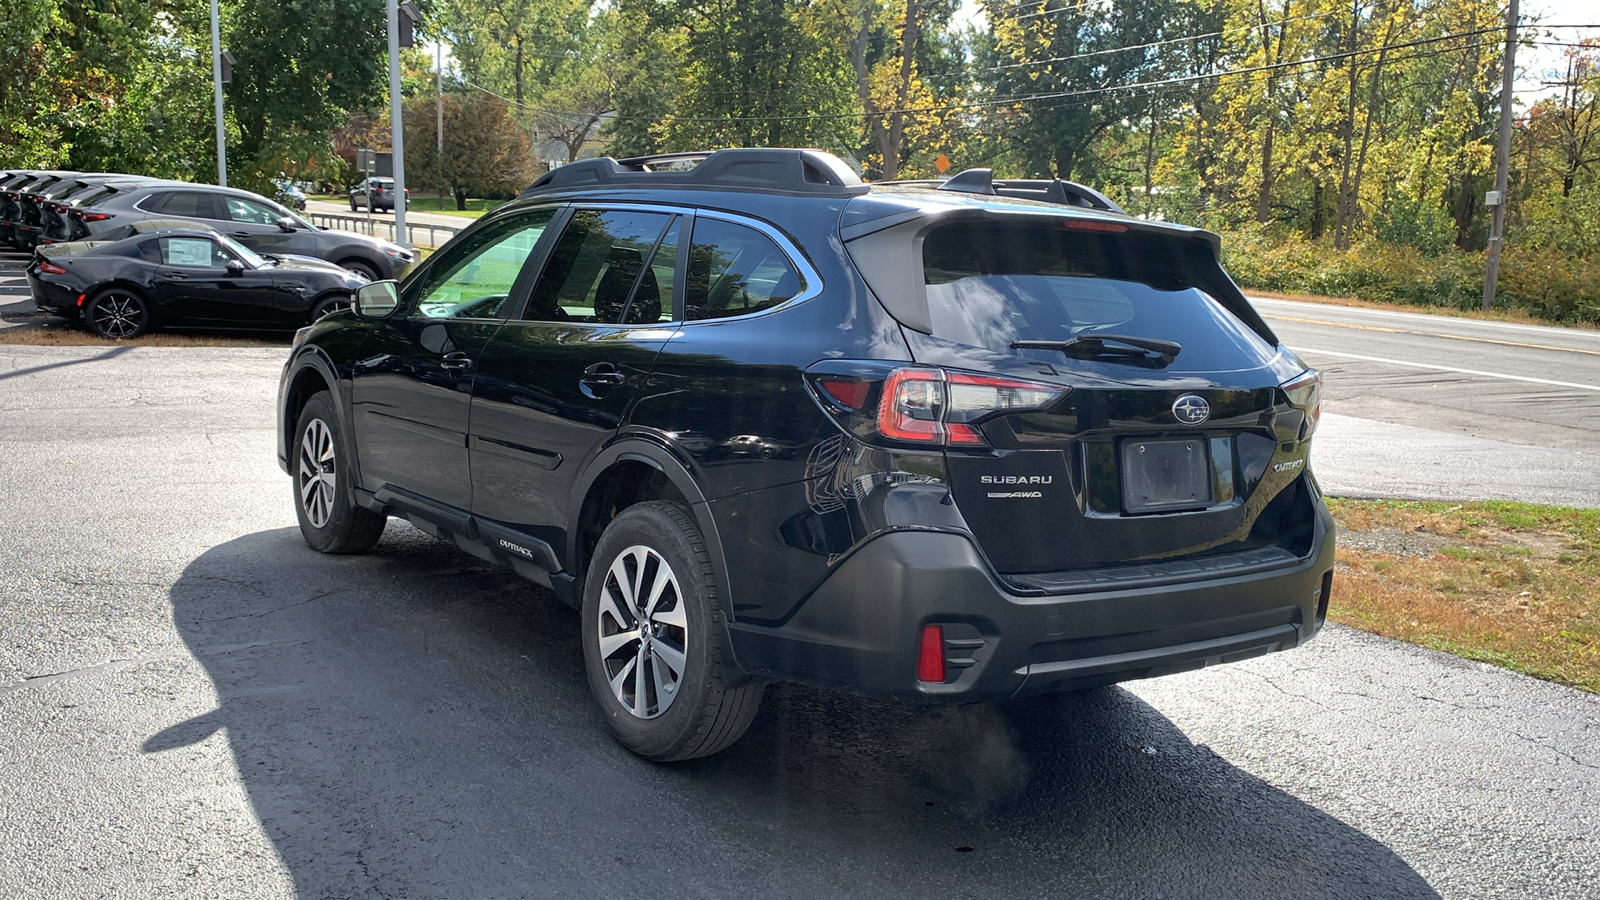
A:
(484, 153)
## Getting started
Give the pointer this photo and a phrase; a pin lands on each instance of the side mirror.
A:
(286, 224)
(377, 299)
(235, 268)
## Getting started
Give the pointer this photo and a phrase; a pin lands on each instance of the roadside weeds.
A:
(1512, 584)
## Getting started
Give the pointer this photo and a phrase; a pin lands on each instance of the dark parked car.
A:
(190, 277)
(14, 209)
(760, 421)
(250, 219)
(374, 194)
(289, 194)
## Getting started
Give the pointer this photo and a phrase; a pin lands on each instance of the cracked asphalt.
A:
(194, 704)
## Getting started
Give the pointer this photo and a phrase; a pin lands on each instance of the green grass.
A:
(1516, 586)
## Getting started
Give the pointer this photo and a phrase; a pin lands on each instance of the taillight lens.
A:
(1305, 394)
(82, 216)
(925, 405)
(50, 268)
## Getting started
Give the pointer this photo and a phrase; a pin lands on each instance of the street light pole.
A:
(216, 83)
(1497, 224)
(396, 127)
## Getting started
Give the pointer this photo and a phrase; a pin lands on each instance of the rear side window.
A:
(990, 284)
(735, 269)
(192, 204)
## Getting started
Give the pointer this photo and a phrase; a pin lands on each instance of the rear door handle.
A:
(603, 374)
(240, 234)
(455, 361)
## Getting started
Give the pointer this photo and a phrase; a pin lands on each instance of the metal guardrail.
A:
(420, 234)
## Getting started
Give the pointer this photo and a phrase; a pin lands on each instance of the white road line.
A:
(1580, 333)
(1417, 365)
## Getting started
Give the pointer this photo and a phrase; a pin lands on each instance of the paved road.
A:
(1436, 407)
(197, 705)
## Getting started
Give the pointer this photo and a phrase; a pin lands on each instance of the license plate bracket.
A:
(1166, 475)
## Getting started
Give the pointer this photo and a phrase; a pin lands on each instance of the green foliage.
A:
(1543, 283)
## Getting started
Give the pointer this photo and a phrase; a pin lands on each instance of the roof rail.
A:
(781, 170)
(1065, 193)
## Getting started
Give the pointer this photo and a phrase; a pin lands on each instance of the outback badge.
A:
(1191, 409)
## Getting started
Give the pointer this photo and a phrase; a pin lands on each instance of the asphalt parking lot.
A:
(198, 705)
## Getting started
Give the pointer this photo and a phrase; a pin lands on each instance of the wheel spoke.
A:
(619, 574)
(640, 706)
(673, 616)
(621, 678)
(609, 607)
(662, 581)
(611, 643)
(672, 656)
(663, 694)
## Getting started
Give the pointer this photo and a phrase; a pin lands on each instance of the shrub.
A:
(1545, 283)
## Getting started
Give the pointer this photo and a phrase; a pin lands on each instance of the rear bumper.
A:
(859, 630)
(54, 298)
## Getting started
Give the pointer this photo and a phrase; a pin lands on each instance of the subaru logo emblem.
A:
(1191, 409)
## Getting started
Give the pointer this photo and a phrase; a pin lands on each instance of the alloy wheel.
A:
(317, 479)
(643, 632)
(118, 316)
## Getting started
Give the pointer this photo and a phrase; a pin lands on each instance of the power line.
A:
(1085, 92)
(1179, 40)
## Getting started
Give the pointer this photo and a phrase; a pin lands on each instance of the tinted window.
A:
(595, 266)
(475, 280)
(242, 210)
(192, 253)
(150, 251)
(187, 203)
(735, 269)
(991, 283)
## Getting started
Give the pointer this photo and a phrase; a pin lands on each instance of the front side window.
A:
(242, 210)
(735, 269)
(476, 279)
(597, 271)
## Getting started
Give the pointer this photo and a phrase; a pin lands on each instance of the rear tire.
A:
(650, 641)
(330, 520)
(352, 204)
(117, 314)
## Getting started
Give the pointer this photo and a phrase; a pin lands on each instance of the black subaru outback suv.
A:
(761, 421)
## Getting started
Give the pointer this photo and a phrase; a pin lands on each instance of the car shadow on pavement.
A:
(416, 723)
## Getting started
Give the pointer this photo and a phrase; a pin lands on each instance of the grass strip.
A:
(1512, 584)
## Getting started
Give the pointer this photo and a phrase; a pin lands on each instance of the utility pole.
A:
(438, 72)
(1497, 197)
(397, 127)
(216, 84)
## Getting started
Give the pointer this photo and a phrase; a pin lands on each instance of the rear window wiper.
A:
(1090, 346)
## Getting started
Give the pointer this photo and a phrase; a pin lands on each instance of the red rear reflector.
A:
(1093, 225)
(851, 393)
(930, 655)
(81, 298)
(50, 268)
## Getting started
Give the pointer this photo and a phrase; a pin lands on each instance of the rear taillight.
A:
(925, 405)
(82, 216)
(1305, 394)
(49, 268)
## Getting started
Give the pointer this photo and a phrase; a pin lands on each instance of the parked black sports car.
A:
(189, 277)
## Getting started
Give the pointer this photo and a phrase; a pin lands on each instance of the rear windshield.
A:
(990, 284)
